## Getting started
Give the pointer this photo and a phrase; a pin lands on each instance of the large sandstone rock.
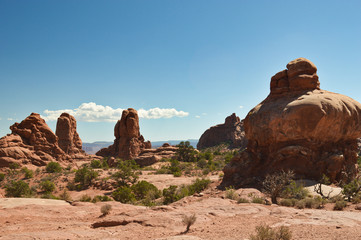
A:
(128, 142)
(150, 156)
(299, 127)
(231, 131)
(33, 142)
(69, 140)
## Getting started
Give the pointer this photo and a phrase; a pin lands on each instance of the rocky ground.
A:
(217, 218)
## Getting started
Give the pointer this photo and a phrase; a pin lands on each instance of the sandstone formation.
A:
(150, 156)
(33, 142)
(69, 140)
(299, 127)
(128, 142)
(231, 131)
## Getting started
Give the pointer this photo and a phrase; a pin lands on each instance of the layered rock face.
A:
(68, 138)
(150, 156)
(33, 142)
(301, 128)
(231, 131)
(128, 142)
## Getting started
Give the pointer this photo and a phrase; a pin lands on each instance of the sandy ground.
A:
(217, 218)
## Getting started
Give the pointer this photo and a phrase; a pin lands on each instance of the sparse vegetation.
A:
(185, 152)
(340, 205)
(2, 177)
(84, 176)
(105, 209)
(265, 232)
(17, 189)
(231, 193)
(124, 194)
(27, 172)
(189, 221)
(275, 184)
(47, 186)
(127, 173)
(85, 198)
(53, 167)
(95, 164)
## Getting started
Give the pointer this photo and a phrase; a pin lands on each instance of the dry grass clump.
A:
(265, 232)
(105, 209)
(189, 221)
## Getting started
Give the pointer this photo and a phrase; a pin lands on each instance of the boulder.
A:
(128, 142)
(231, 131)
(301, 128)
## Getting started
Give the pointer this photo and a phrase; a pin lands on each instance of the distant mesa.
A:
(150, 156)
(128, 143)
(301, 128)
(33, 142)
(231, 131)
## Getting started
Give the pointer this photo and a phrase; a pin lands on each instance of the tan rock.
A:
(302, 128)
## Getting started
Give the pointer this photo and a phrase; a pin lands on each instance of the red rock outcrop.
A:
(68, 138)
(128, 142)
(299, 127)
(231, 131)
(33, 142)
(150, 156)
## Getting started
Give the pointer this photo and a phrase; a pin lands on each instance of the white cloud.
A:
(10, 119)
(204, 114)
(91, 112)
(240, 107)
(0, 118)
(198, 116)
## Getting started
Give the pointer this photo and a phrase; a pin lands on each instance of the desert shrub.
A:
(310, 203)
(14, 166)
(95, 164)
(27, 172)
(274, 184)
(49, 196)
(231, 193)
(202, 163)
(340, 205)
(142, 188)
(287, 202)
(228, 157)
(127, 172)
(208, 155)
(177, 174)
(53, 167)
(101, 198)
(264, 232)
(170, 194)
(2, 177)
(351, 189)
(47, 186)
(189, 221)
(242, 200)
(85, 198)
(17, 189)
(123, 194)
(105, 209)
(185, 152)
(258, 200)
(198, 185)
(84, 176)
(64, 195)
(295, 190)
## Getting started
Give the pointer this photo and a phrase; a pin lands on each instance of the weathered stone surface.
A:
(33, 142)
(299, 127)
(69, 140)
(128, 141)
(231, 131)
(150, 156)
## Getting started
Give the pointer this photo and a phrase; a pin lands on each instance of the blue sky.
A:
(187, 64)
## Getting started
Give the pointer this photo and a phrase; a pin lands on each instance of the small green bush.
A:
(340, 205)
(123, 194)
(95, 164)
(264, 232)
(53, 167)
(17, 189)
(14, 166)
(295, 190)
(2, 177)
(275, 184)
(47, 186)
(198, 185)
(85, 176)
(28, 173)
(243, 200)
(202, 163)
(170, 195)
(351, 189)
(231, 193)
(101, 198)
(185, 152)
(288, 202)
(85, 198)
(258, 200)
(65, 195)
(127, 173)
(142, 188)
